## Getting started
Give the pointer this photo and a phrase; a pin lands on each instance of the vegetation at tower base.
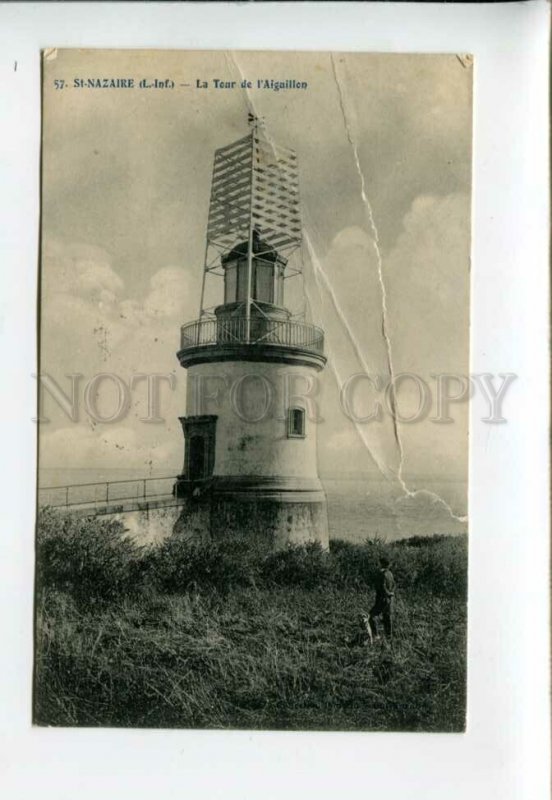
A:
(221, 635)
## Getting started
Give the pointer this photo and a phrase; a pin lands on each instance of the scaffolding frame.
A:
(254, 189)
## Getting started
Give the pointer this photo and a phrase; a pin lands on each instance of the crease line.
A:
(375, 238)
(384, 328)
(317, 270)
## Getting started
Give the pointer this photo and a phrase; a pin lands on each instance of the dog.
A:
(363, 636)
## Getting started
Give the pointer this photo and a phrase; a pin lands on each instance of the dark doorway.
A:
(197, 458)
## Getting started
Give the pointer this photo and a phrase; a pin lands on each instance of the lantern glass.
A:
(230, 282)
(242, 280)
(264, 284)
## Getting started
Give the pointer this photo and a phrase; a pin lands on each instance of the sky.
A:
(384, 149)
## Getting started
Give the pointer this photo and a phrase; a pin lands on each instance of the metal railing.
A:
(105, 492)
(285, 333)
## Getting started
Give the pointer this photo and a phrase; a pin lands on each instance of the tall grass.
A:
(222, 636)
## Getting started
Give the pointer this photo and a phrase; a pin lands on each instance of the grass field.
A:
(220, 636)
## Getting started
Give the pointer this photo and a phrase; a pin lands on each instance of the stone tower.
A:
(250, 462)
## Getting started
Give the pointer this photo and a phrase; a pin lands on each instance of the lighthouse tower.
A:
(250, 463)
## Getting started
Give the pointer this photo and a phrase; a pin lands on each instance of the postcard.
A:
(254, 384)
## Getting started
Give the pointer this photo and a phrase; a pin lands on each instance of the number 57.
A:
(59, 84)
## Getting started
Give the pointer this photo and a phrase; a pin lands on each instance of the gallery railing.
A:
(285, 333)
(106, 492)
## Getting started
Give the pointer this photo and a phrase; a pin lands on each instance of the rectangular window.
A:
(230, 283)
(296, 422)
(265, 283)
(242, 281)
(278, 287)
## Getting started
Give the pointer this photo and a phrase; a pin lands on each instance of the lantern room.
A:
(267, 273)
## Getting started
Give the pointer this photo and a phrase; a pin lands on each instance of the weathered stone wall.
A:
(148, 526)
(269, 524)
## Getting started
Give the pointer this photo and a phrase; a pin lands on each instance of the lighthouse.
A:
(250, 430)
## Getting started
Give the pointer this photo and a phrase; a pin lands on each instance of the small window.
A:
(278, 286)
(264, 290)
(230, 283)
(242, 281)
(296, 422)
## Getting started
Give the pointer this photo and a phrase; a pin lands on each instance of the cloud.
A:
(78, 270)
(89, 326)
(89, 321)
(81, 293)
(171, 294)
(346, 300)
(427, 278)
(83, 277)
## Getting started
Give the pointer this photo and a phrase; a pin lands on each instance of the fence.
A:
(105, 492)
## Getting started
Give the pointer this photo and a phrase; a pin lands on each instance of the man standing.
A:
(385, 592)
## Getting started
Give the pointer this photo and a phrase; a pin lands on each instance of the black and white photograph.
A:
(253, 431)
(274, 325)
